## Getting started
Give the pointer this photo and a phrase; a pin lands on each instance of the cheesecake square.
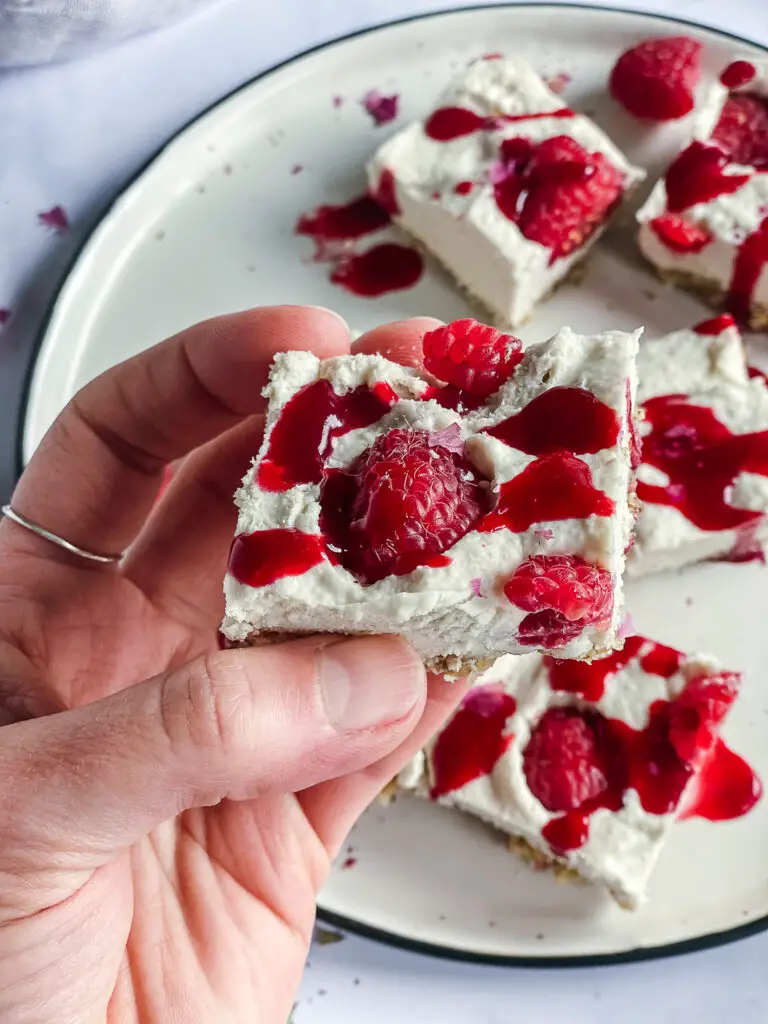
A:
(703, 478)
(504, 185)
(705, 224)
(586, 767)
(474, 521)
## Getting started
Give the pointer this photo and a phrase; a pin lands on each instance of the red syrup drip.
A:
(385, 193)
(346, 222)
(451, 397)
(755, 371)
(737, 74)
(463, 188)
(473, 740)
(257, 559)
(557, 486)
(388, 267)
(302, 437)
(588, 680)
(560, 419)
(568, 832)
(698, 176)
(448, 123)
(702, 459)
(726, 787)
(715, 326)
(748, 267)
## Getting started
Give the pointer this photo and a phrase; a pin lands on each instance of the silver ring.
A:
(73, 549)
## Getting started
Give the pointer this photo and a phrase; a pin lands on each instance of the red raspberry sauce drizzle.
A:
(698, 176)
(360, 216)
(473, 740)
(751, 261)
(258, 559)
(385, 193)
(448, 123)
(301, 439)
(715, 326)
(737, 74)
(389, 267)
(647, 761)
(560, 419)
(386, 267)
(557, 486)
(587, 680)
(702, 459)
(726, 787)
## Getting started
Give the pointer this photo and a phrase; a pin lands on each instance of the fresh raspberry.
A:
(680, 235)
(742, 131)
(561, 195)
(548, 630)
(566, 584)
(562, 762)
(656, 79)
(404, 500)
(695, 715)
(472, 356)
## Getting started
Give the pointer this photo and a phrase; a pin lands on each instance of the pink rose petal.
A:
(475, 586)
(544, 532)
(448, 437)
(55, 218)
(382, 109)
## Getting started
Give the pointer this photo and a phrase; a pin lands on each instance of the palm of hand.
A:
(194, 914)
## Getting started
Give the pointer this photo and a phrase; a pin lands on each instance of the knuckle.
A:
(203, 705)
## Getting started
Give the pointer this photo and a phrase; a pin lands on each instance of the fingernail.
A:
(333, 313)
(369, 682)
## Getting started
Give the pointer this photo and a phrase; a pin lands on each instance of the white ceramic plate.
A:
(208, 228)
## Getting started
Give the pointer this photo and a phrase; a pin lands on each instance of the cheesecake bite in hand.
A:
(478, 508)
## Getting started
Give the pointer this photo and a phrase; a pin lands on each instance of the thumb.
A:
(232, 724)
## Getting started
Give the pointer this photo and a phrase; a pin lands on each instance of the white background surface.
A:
(71, 135)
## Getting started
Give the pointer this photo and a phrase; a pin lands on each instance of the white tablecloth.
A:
(70, 135)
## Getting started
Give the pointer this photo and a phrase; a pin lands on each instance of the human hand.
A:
(168, 811)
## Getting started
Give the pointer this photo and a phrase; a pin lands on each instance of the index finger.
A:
(96, 473)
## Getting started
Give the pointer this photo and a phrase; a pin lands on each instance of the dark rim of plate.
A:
(18, 373)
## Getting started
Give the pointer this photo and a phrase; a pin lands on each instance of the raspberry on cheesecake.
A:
(503, 184)
(478, 516)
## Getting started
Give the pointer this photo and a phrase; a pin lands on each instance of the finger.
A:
(235, 724)
(97, 471)
(180, 557)
(333, 807)
(399, 341)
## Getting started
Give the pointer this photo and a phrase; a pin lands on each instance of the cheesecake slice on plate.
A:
(503, 184)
